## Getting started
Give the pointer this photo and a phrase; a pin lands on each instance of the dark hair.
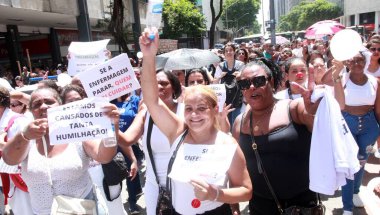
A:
(229, 45)
(245, 54)
(5, 98)
(203, 73)
(313, 53)
(72, 87)
(290, 61)
(48, 83)
(176, 85)
(270, 68)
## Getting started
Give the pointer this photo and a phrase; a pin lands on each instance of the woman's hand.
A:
(204, 191)
(226, 110)
(113, 113)
(149, 47)
(336, 68)
(36, 129)
(133, 171)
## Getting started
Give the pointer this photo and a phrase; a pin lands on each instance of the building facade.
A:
(46, 28)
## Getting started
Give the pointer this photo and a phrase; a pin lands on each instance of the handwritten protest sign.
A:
(207, 162)
(84, 55)
(110, 79)
(220, 91)
(79, 121)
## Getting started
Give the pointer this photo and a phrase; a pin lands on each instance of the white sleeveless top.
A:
(182, 190)
(69, 173)
(161, 153)
(356, 95)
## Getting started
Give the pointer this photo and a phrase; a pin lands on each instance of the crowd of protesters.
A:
(266, 123)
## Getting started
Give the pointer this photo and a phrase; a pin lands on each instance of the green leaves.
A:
(308, 13)
(240, 13)
(182, 17)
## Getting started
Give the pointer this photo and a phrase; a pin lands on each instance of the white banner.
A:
(84, 55)
(207, 162)
(110, 79)
(220, 91)
(79, 121)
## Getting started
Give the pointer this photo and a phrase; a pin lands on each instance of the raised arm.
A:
(135, 130)
(162, 116)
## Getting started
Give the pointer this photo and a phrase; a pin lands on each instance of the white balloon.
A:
(345, 44)
(139, 55)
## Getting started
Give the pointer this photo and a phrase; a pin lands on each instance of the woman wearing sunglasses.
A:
(200, 190)
(280, 130)
(242, 55)
(295, 71)
(373, 63)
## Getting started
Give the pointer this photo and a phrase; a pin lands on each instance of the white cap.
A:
(4, 83)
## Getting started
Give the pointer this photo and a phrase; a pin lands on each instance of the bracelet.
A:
(217, 194)
(23, 136)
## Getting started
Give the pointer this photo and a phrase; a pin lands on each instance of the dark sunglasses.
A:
(257, 82)
(373, 49)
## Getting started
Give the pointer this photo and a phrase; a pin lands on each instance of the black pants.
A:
(224, 209)
(263, 206)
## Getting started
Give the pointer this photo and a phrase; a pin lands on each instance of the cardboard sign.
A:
(220, 91)
(110, 79)
(79, 121)
(206, 162)
(84, 55)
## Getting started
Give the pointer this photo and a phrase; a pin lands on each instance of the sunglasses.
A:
(241, 53)
(257, 82)
(373, 49)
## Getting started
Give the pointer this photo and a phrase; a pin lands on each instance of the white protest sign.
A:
(220, 91)
(79, 121)
(84, 55)
(218, 72)
(207, 162)
(110, 79)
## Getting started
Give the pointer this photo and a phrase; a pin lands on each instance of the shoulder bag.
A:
(164, 201)
(63, 205)
(319, 209)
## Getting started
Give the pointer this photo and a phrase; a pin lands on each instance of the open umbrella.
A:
(185, 59)
(280, 40)
(322, 28)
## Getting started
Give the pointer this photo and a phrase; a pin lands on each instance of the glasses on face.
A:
(257, 82)
(16, 104)
(373, 49)
(241, 53)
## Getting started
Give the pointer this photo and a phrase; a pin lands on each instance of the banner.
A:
(206, 162)
(220, 91)
(110, 79)
(84, 55)
(79, 121)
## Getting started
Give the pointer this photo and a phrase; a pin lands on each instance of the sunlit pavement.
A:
(333, 203)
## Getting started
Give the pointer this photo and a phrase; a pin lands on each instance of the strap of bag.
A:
(261, 167)
(171, 161)
(149, 135)
(47, 163)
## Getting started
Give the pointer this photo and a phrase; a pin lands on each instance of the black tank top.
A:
(285, 157)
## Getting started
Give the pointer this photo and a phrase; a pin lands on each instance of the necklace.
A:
(256, 127)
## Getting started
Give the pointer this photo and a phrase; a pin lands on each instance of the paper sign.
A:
(84, 55)
(110, 79)
(79, 121)
(206, 162)
(220, 91)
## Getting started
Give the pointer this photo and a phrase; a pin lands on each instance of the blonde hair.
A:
(207, 94)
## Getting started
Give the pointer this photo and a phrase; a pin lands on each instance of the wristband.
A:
(23, 136)
(217, 194)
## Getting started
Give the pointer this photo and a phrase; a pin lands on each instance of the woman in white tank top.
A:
(68, 163)
(198, 187)
(361, 111)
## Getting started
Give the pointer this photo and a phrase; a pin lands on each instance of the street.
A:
(333, 203)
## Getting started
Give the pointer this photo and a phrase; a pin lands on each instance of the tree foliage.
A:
(182, 17)
(308, 13)
(241, 13)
